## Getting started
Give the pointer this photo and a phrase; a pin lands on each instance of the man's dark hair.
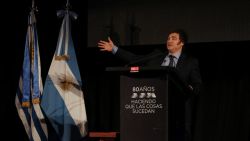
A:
(182, 34)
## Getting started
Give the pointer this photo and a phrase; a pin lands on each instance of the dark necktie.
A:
(171, 61)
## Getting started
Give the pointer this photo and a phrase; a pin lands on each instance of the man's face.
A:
(174, 43)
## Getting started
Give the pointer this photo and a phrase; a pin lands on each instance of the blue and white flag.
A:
(63, 99)
(30, 87)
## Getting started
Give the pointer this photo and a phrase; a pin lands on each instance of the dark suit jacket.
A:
(188, 70)
(187, 66)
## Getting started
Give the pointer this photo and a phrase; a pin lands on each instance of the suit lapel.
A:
(181, 60)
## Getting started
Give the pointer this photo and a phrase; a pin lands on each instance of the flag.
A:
(30, 87)
(63, 99)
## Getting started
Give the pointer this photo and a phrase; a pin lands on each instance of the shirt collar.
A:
(176, 54)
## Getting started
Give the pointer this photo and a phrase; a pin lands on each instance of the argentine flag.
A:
(30, 87)
(63, 99)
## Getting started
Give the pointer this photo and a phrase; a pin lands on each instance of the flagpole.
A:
(33, 8)
(33, 4)
(67, 5)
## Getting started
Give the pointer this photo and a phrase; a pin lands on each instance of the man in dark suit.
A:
(186, 66)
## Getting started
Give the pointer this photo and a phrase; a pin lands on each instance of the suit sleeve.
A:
(126, 55)
(195, 77)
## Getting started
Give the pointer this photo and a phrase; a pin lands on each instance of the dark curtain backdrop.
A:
(223, 107)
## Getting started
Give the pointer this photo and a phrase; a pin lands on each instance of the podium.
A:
(151, 104)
